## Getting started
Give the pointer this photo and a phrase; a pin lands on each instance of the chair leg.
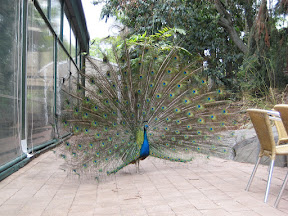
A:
(281, 191)
(269, 180)
(253, 174)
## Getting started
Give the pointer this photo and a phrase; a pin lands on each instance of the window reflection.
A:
(56, 15)
(10, 73)
(40, 79)
(66, 33)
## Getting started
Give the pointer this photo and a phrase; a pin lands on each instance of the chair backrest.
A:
(281, 130)
(263, 129)
(283, 110)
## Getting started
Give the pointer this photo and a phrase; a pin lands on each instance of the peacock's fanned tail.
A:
(146, 85)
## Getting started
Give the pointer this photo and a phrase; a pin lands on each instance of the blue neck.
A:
(144, 151)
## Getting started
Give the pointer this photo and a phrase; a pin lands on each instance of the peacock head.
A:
(146, 126)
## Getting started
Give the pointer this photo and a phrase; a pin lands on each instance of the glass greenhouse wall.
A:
(40, 46)
(10, 80)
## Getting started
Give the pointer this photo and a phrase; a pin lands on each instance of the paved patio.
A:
(202, 187)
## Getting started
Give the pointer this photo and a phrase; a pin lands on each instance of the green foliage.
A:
(163, 40)
(264, 66)
(101, 48)
(197, 20)
(210, 37)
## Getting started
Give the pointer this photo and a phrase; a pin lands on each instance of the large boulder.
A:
(246, 147)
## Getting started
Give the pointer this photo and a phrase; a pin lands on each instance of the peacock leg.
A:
(137, 165)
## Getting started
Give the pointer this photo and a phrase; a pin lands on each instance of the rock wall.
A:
(246, 148)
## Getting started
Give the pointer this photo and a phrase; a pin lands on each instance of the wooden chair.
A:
(283, 110)
(261, 123)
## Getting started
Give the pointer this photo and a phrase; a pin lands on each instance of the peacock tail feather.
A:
(147, 85)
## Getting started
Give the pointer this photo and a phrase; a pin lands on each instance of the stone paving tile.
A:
(204, 204)
(214, 212)
(202, 187)
(7, 194)
(11, 210)
(244, 213)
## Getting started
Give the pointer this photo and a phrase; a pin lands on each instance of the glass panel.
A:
(74, 78)
(73, 46)
(10, 85)
(66, 33)
(78, 55)
(56, 15)
(44, 6)
(63, 80)
(40, 79)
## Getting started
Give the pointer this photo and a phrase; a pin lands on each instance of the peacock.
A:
(144, 100)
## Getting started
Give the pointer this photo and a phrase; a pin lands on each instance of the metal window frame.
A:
(15, 164)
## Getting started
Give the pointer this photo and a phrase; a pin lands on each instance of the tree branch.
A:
(226, 22)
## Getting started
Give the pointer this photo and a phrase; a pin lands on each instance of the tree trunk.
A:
(226, 22)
